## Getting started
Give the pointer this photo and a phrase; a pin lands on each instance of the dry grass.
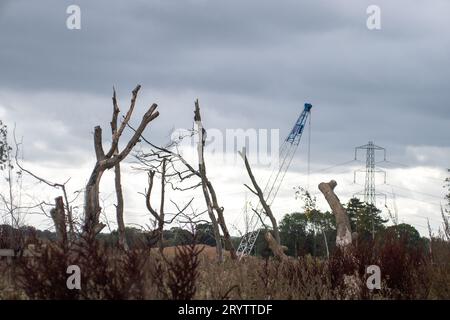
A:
(206, 251)
(190, 272)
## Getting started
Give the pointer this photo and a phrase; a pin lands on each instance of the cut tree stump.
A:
(344, 231)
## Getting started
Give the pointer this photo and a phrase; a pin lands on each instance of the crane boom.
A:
(286, 154)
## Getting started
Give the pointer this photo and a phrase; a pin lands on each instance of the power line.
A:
(414, 199)
(410, 167)
(414, 191)
(336, 165)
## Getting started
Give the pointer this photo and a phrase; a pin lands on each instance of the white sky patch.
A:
(428, 154)
(57, 150)
(2, 111)
(418, 191)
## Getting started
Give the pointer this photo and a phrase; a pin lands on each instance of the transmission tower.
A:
(369, 192)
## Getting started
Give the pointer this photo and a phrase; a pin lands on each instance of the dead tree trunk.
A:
(92, 209)
(59, 220)
(344, 231)
(221, 221)
(159, 217)
(118, 181)
(275, 247)
(202, 170)
(119, 209)
(259, 193)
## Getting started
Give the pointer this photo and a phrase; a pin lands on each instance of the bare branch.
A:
(251, 190)
(118, 133)
(260, 194)
(151, 175)
(98, 144)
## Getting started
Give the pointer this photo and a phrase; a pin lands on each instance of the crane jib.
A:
(287, 152)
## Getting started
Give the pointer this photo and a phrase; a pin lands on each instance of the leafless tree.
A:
(108, 160)
(13, 199)
(59, 220)
(204, 179)
(118, 179)
(256, 190)
(160, 217)
(64, 201)
(184, 171)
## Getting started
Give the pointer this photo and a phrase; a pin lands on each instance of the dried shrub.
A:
(404, 268)
(176, 278)
(188, 273)
(43, 276)
(106, 273)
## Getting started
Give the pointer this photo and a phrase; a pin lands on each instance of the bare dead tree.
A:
(187, 171)
(59, 220)
(61, 214)
(118, 180)
(163, 165)
(202, 170)
(108, 160)
(161, 215)
(257, 191)
(343, 228)
(208, 189)
(68, 212)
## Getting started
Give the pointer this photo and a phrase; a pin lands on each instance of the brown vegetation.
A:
(191, 272)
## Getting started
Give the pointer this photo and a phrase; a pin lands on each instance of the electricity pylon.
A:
(369, 192)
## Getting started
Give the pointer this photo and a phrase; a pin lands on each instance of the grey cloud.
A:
(251, 63)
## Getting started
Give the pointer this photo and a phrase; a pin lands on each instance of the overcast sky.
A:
(252, 64)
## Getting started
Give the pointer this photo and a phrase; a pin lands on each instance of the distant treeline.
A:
(303, 233)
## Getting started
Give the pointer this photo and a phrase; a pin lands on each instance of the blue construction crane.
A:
(287, 152)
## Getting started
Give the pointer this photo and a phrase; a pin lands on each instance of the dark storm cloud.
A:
(252, 64)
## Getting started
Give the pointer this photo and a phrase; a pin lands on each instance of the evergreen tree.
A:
(365, 219)
(293, 232)
(406, 233)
